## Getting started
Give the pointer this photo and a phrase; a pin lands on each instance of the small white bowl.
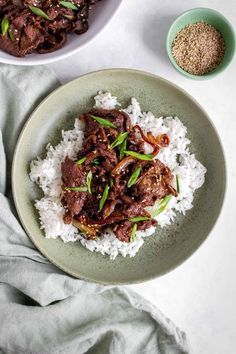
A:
(100, 16)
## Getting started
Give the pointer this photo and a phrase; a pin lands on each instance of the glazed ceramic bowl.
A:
(213, 18)
(100, 16)
(171, 245)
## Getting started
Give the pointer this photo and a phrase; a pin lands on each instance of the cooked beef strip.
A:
(30, 38)
(3, 3)
(73, 176)
(52, 43)
(154, 183)
(135, 209)
(143, 225)
(135, 144)
(8, 46)
(67, 217)
(91, 126)
(123, 231)
(122, 203)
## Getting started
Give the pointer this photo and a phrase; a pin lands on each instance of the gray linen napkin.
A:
(43, 310)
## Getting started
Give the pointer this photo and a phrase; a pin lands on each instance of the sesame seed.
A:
(198, 48)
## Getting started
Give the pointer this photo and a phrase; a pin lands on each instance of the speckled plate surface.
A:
(169, 247)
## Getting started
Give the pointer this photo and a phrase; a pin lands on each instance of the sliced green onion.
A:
(139, 218)
(133, 233)
(102, 121)
(119, 140)
(39, 12)
(123, 148)
(76, 189)
(139, 156)
(89, 178)
(104, 197)
(177, 184)
(111, 182)
(133, 178)
(69, 17)
(68, 5)
(5, 25)
(96, 161)
(80, 161)
(162, 205)
(11, 35)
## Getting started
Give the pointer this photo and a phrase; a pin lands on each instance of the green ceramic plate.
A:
(169, 247)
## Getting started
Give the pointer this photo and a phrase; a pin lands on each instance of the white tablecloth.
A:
(199, 296)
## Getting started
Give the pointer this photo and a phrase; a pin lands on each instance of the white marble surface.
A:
(199, 296)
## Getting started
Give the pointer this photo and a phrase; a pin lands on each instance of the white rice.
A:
(47, 174)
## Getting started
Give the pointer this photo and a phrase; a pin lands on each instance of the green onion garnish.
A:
(102, 121)
(162, 205)
(89, 180)
(5, 25)
(79, 162)
(11, 35)
(139, 218)
(133, 233)
(133, 178)
(39, 12)
(104, 197)
(68, 5)
(177, 184)
(96, 161)
(122, 149)
(76, 189)
(119, 140)
(111, 182)
(69, 17)
(139, 156)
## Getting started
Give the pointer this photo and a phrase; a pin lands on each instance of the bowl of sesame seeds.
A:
(200, 43)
